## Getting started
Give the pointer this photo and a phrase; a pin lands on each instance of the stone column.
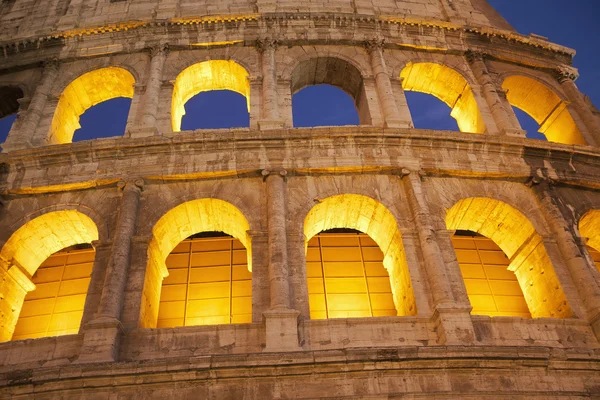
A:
(503, 120)
(577, 264)
(270, 105)
(25, 136)
(391, 114)
(102, 334)
(147, 124)
(452, 319)
(281, 321)
(567, 82)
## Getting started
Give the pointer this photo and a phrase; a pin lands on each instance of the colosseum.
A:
(372, 261)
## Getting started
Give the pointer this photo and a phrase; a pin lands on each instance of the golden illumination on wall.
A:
(208, 284)
(55, 307)
(492, 288)
(204, 77)
(450, 87)
(368, 216)
(27, 249)
(84, 92)
(516, 236)
(181, 222)
(346, 277)
(589, 227)
(545, 107)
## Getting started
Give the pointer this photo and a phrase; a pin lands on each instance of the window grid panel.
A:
(55, 307)
(346, 277)
(493, 290)
(213, 286)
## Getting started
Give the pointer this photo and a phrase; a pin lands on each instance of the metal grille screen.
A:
(346, 277)
(208, 284)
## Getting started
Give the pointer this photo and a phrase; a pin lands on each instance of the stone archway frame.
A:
(545, 106)
(518, 239)
(179, 223)
(27, 248)
(204, 77)
(449, 86)
(369, 216)
(84, 92)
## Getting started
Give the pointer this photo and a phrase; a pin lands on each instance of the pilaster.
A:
(270, 118)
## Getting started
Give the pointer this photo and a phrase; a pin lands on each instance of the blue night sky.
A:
(575, 26)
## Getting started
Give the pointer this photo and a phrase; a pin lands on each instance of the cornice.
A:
(35, 42)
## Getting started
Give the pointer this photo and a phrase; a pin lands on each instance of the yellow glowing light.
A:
(84, 92)
(204, 77)
(28, 248)
(448, 86)
(371, 217)
(516, 236)
(545, 107)
(181, 222)
(215, 44)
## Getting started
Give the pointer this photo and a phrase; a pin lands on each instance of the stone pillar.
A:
(577, 264)
(391, 114)
(15, 283)
(492, 96)
(147, 126)
(567, 82)
(452, 319)
(102, 334)
(270, 105)
(281, 321)
(25, 136)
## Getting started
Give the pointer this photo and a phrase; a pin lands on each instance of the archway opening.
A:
(9, 106)
(86, 91)
(450, 87)
(545, 107)
(41, 264)
(492, 288)
(429, 112)
(317, 75)
(216, 109)
(207, 76)
(199, 267)
(529, 125)
(589, 227)
(106, 119)
(515, 235)
(356, 266)
(323, 105)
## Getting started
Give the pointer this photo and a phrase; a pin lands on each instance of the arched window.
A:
(450, 87)
(545, 107)
(589, 227)
(529, 125)
(209, 76)
(46, 272)
(90, 89)
(317, 87)
(355, 260)
(523, 253)
(9, 105)
(199, 267)
(429, 112)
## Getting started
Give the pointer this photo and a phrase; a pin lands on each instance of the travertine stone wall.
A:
(271, 186)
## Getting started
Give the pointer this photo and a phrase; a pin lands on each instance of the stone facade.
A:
(405, 187)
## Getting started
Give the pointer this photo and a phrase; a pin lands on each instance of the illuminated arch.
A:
(516, 236)
(204, 77)
(28, 248)
(367, 215)
(179, 223)
(545, 107)
(85, 92)
(589, 227)
(335, 72)
(450, 87)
